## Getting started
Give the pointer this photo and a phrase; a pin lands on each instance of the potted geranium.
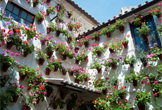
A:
(15, 91)
(156, 88)
(159, 69)
(63, 70)
(49, 67)
(43, 39)
(96, 65)
(63, 92)
(39, 18)
(23, 71)
(100, 104)
(59, 20)
(57, 64)
(70, 26)
(108, 31)
(70, 13)
(132, 61)
(126, 60)
(143, 31)
(96, 36)
(56, 102)
(50, 25)
(157, 11)
(50, 10)
(62, 51)
(120, 25)
(142, 56)
(71, 104)
(111, 62)
(35, 2)
(138, 20)
(58, 30)
(125, 42)
(50, 50)
(7, 61)
(114, 46)
(86, 75)
(69, 38)
(3, 80)
(41, 56)
(49, 90)
(120, 93)
(30, 32)
(143, 98)
(98, 50)
(157, 51)
(79, 76)
(11, 40)
(27, 48)
(82, 104)
(85, 41)
(91, 104)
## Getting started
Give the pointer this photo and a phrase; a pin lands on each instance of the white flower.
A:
(134, 89)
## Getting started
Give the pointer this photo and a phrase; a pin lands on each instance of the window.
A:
(152, 37)
(19, 14)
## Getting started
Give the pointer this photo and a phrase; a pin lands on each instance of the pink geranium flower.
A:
(156, 82)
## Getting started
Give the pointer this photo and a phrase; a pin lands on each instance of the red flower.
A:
(3, 30)
(93, 101)
(32, 17)
(123, 106)
(37, 69)
(96, 101)
(41, 88)
(26, 42)
(5, 76)
(107, 97)
(57, 6)
(20, 66)
(47, 4)
(57, 9)
(42, 18)
(109, 91)
(28, 88)
(31, 25)
(17, 30)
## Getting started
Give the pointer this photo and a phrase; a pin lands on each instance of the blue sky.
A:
(102, 10)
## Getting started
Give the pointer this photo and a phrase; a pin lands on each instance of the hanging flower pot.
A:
(35, 4)
(125, 45)
(69, 107)
(58, 33)
(48, 1)
(77, 81)
(104, 91)
(108, 34)
(25, 107)
(111, 50)
(141, 107)
(70, 28)
(25, 54)
(5, 67)
(62, 95)
(47, 13)
(76, 49)
(9, 45)
(38, 100)
(99, 70)
(86, 58)
(63, 72)
(144, 37)
(69, 39)
(56, 68)
(15, 97)
(48, 93)
(48, 30)
(49, 54)
(40, 20)
(131, 65)
(54, 106)
(71, 73)
(22, 77)
(69, 15)
(134, 82)
(93, 108)
(121, 28)
(86, 44)
(158, 15)
(99, 53)
(41, 61)
(86, 79)
(48, 71)
(77, 61)
(114, 66)
(64, 57)
(160, 57)
(96, 39)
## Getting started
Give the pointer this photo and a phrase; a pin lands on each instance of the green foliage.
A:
(50, 65)
(96, 34)
(40, 54)
(8, 60)
(98, 49)
(115, 46)
(128, 60)
(81, 57)
(51, 10)
(142, 55)
(30, 32)
(100, 104)
(119, 23)
(143, 98)
(4, 100)
(24, 70)
(131, 77)
(4, 79)
(95, 65)
(144, 30)
(50, 48)
(72, 103)
(59, 20)
(125, 40)
(118, 93)
(159, 69)
(156, 11)
(28, 47)
(110, 61)
(39, 16)
(101, 84)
